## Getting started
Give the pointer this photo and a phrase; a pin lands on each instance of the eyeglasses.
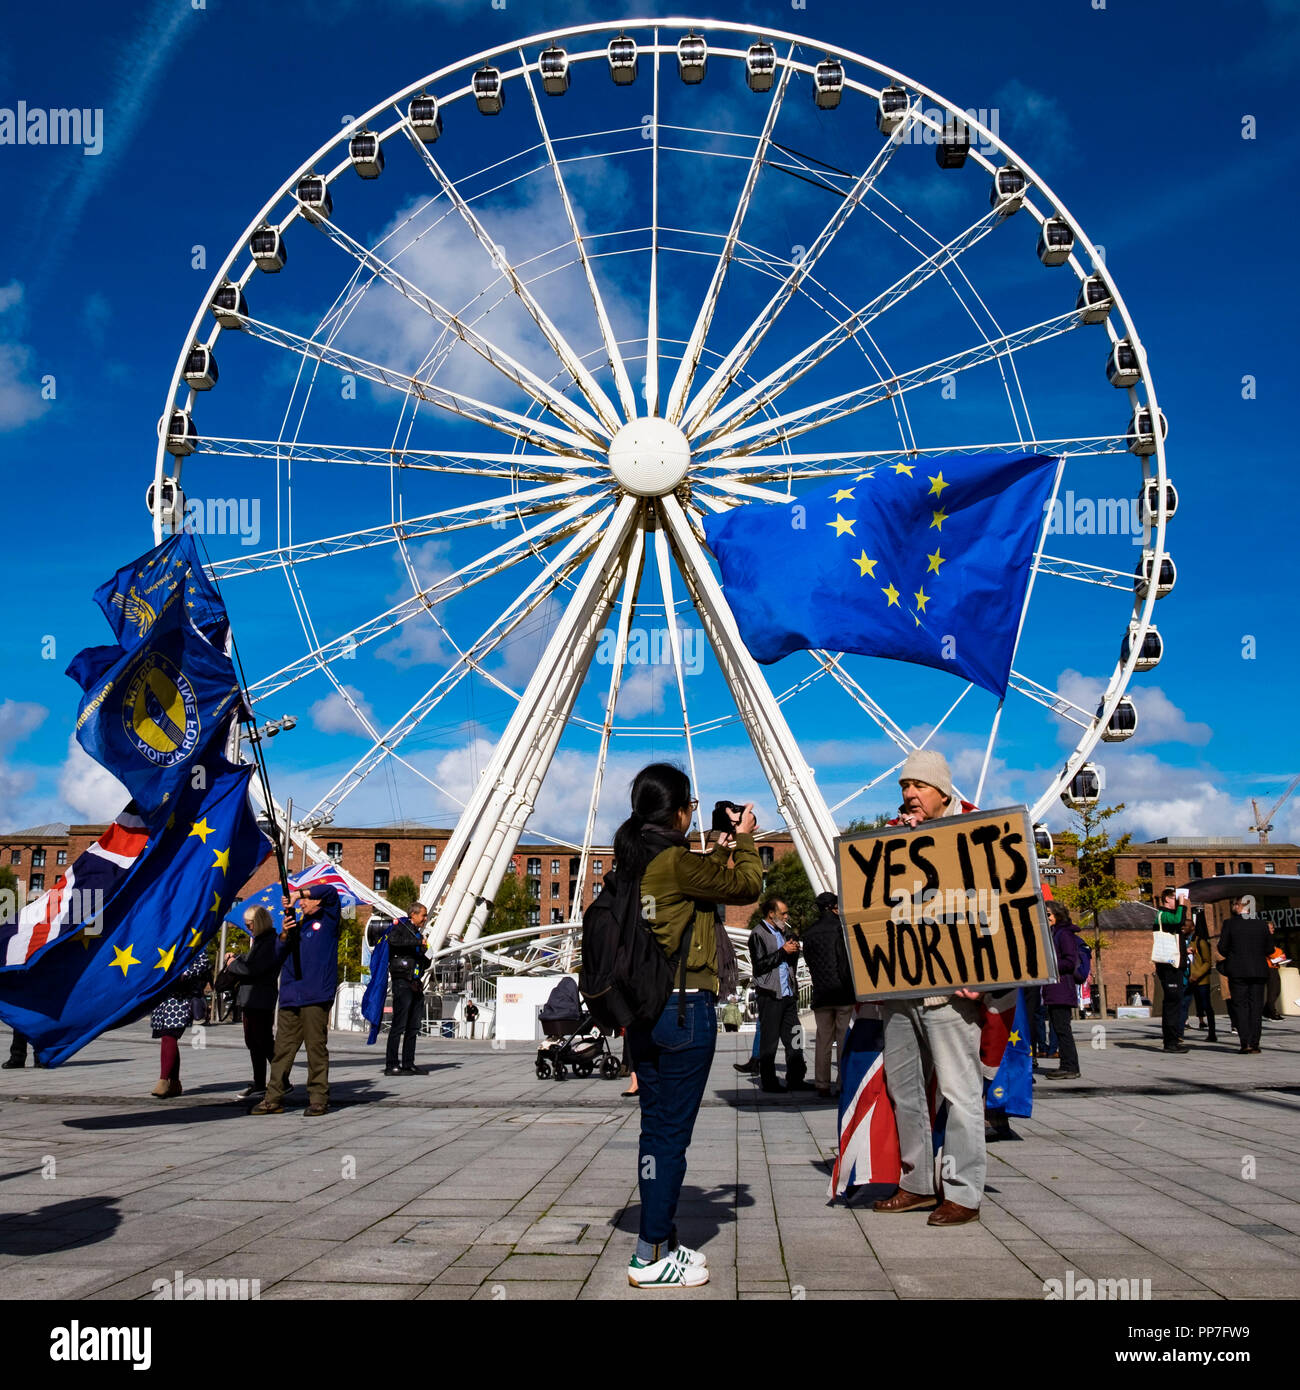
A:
(692, 804)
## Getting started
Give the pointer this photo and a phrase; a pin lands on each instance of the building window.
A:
(534, 868)
(1218, 868)
(15, 856)
(556, 916)
(381, 881)
(426, 875)
(1169, 869)
(61, 857)
(37, 884)
(766, 853)
(1144, 868)
(334, 851)
(1268, 867)
(573, 864)
(38, 859)
(430, 853)
(1195, 869)
(597, 868)
(555, 889)
(534, 917)
(381, 852)
(1246, 867)
(555, 866)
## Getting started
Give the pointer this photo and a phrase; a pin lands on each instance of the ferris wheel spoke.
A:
(699, 333)
(831, 663)
(631, 587)
(486, 835)
(542, 586)
(787, 771)
(664, 563)
(737, 411)
(488, 512)
(1101, 575)
(622, 382)
(748, 492)
(521, 467)
(586, 383)
(712, 391)
(778, 464)
(572, 414)
(811, 417)
(652, 306)
(555, 527)
(1049, 699)
(535, 432)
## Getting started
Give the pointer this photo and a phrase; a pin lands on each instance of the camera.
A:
(723, 812)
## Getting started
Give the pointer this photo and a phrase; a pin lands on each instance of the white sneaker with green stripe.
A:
(674, 1268)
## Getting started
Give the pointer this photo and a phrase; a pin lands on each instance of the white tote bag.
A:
(1164, 947)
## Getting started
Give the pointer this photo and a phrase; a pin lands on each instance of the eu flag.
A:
(373, 1000)
(1012, 1088)
(926, 562)
(152, 711)
(154, 922)
(134, 597)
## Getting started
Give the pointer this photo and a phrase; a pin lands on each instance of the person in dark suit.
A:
(255, 976)
(1244, 944)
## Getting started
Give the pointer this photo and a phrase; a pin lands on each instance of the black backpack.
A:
(625, 978)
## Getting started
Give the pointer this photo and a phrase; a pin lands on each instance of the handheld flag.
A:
(136, 594)
(153, 711)
(155, 921)
(272, 898)
(869, 1151)
(372, 1001)
(926, 562)
(1011, 1087)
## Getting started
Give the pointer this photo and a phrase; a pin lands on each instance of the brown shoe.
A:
(952, 1214)
(164, 1087)
(902, 1200)
(265, 1109)
(316, 1110)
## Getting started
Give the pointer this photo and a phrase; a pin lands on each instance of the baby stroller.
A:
(573, 1041)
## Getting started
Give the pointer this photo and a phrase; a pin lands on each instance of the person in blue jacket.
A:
(309, 956)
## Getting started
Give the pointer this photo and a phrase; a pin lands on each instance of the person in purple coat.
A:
(1062, 998)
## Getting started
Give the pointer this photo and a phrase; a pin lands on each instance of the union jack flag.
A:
(78, 894)
(868, 1135)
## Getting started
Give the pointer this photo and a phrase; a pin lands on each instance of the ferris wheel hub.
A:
(649, 456)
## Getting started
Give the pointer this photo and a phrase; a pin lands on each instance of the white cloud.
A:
(333, 714)
(88, 789)
(643, 690)
(1159, 719)
(18, 718)
(20, 394)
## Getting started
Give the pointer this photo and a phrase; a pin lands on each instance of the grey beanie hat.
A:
(928, 765)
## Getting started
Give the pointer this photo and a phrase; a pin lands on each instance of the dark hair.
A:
(768, 903)
(658, 793)
(1061, 913)
(827, 902)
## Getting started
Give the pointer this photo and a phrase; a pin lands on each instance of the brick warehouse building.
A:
(378, 856)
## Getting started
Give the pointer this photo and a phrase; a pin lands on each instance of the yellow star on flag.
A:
(866, 566)
(937, 485)
(916, 620)
(124, 959)
(842, 494)
(202, 829)
(86, 938)
(1013, 1036)
(935, 561)
(221, 859)
(196, 935)
(939, 518)
(922, 598)
(216, 903)
(892, 595)
(165, 957)
(841, 525)
(904, 468)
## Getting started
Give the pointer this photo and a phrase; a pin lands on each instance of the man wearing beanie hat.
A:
(943, 1030)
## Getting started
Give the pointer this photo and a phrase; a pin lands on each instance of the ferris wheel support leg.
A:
(527, 728)
(797, 796)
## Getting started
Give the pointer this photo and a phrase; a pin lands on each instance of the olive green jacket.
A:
(679, 887)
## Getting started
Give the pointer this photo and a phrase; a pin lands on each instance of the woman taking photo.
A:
(677, 890)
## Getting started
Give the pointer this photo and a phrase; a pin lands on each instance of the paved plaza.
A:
(477, 1180)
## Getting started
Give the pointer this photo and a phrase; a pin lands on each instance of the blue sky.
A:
(1134, 115)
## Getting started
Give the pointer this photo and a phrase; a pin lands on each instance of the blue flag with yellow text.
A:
(154, 921)
(153, 711)
(926, 562)
(134, 597)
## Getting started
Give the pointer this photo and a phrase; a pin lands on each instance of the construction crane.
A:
(1263, 824)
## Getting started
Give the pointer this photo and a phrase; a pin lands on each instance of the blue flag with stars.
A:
(134, 597)
(926, 562)
(153, 710)
(153, 924)
(1012, 1088)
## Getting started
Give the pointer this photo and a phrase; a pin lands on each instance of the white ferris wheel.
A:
(550, 306)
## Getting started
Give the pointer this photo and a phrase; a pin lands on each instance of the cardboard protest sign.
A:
(952, 904)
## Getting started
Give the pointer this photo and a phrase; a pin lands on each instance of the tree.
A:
(511, 906)
(403, 893)
(1098, 888)
(350, 934)
(860, 823)
(788, 880)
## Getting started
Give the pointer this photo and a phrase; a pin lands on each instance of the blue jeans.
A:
(672, 1070)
